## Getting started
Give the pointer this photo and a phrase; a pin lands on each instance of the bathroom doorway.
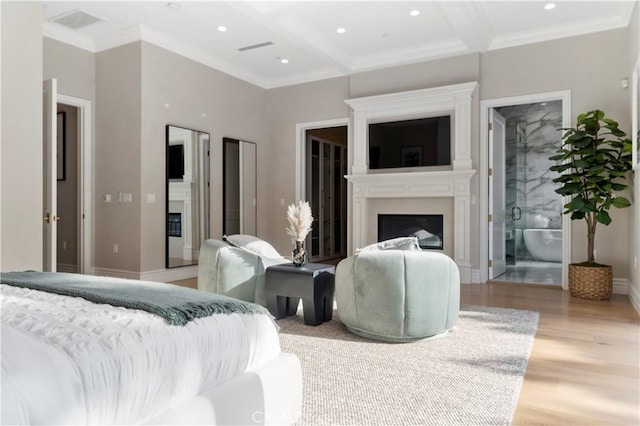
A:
(527, 233)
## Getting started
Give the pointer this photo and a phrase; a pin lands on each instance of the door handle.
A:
(513, 213)
(51, 218)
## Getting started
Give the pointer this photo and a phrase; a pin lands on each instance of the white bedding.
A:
(66, 360)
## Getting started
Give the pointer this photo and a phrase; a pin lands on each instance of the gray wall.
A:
(118, 157)
(232, 108)
(591, 66)
(21, 136)
(287, 106)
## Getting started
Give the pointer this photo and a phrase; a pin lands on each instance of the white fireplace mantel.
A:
(455, 183)
(455, 100)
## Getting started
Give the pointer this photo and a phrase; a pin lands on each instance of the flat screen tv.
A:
(420, 142)
(175, 162)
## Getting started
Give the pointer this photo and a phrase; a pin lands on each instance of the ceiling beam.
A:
(296, 34)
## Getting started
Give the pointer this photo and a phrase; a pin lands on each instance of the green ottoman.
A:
(398, 295)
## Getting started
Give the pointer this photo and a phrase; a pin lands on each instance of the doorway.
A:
(74, 185)
(326, 189)
(528, 236)
(67, 189)
(321, 164)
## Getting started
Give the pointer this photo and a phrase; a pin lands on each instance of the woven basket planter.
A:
(591, 282)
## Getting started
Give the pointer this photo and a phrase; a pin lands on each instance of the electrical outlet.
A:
(64, 245)
(115, 248)
(107, 198)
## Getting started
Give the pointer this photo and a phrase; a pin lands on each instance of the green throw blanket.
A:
(178, 305)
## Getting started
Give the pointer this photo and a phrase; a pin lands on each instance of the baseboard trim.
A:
(168, 275)
(634, 297)
(475, 276)
(620, 285)
(116, 273)
(159, 275)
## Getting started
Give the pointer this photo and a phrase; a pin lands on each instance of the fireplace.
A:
(422, 183)
(427, 227)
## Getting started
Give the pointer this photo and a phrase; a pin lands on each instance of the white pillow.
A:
(400, 243)
(253, 244)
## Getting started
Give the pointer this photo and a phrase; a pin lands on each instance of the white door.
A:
(50, 175)
(497, 242)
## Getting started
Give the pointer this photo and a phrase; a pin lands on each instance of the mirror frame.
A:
(225, 141)
(206, 227)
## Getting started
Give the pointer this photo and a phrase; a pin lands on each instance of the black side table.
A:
(285, 284)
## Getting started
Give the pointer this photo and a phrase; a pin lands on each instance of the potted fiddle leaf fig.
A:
(594, 162)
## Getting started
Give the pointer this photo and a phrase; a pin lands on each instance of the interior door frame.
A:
(49, 173)
(85, 180)
(485, 105)
(498, 218)
(301, 164)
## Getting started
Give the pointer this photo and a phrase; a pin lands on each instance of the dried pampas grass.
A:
(300, 220)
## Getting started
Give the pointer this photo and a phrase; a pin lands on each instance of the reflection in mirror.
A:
(187, 179)
(239, 187)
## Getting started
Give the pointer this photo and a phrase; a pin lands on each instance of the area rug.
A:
(470, 376)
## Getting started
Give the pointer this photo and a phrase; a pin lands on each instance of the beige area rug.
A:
(471, 376)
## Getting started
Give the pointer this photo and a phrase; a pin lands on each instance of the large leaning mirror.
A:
(239, 187)
(187, 178)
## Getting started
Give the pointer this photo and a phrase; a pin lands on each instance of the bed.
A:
(67, 360)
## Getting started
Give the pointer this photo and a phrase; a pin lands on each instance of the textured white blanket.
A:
(66, 360)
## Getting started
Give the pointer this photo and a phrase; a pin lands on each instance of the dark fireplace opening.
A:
(174, 225)
(427, 227)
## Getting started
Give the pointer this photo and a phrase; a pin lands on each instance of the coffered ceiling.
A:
(260, 35)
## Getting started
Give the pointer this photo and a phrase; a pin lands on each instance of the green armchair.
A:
(234, 271)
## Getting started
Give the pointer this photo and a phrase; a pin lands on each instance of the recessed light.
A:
(341, 30)
(222, 28)
(284, 61)
(173, 6)
(549, 6)
(543, 104)
(414, 12)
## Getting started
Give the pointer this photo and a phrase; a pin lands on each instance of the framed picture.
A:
(410, 156)
(61, 144)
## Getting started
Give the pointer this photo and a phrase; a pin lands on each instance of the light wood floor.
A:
(585, 361)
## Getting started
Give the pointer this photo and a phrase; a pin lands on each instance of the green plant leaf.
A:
(603, 217)
(621, 202)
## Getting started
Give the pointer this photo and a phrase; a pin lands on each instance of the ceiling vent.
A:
(255, 46)
(75, 19)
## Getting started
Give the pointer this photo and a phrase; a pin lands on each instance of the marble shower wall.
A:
(532, 135)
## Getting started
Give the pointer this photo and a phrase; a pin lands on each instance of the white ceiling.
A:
(378, 34)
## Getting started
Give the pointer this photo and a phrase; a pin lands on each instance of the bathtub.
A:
(544, 244)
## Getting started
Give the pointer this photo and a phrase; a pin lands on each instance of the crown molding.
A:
(410, 56)
(553, 33)
(64, 35)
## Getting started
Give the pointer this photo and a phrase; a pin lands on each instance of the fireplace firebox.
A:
(427, 227)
